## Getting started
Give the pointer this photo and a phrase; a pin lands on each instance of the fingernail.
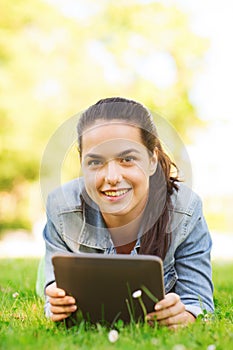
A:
(74, 307)
(158, 307)
(61, 294)
(71, 301)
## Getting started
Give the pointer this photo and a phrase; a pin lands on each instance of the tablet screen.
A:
(103, 285)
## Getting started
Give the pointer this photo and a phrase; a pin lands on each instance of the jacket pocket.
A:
(170, 278)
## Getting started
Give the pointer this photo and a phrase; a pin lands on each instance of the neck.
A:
(125, 234)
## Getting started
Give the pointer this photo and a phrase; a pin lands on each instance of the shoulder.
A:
(185, 213)
(67, 197)
(185, 210)
(185, 200)
(186, 217)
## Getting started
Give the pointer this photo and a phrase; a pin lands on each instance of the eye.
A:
(94, 163)
(128, 160)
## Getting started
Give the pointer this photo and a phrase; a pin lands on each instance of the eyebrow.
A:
(119, 155)
(127, 151)
(93, 155)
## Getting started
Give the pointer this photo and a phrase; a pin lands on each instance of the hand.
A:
(61, 305)
(171, 312)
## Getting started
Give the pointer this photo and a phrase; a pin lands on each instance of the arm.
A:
(193, 290)
(58, 305)
(193, 266)
(52, 235)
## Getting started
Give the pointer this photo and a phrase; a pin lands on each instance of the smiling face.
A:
(116, 168)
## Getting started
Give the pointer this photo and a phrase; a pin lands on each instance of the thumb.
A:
(54, 292)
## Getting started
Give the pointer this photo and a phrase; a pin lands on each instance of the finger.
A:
(59, 317)
(151, 316)
(151, 323)
(63, 309)
(175, 327)
(171, 321)
(179, 320)
(151, 319)
(67, 300)
(170, 311)
(54, 292)
(169, 300)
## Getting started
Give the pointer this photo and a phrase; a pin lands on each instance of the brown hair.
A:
(156, 236)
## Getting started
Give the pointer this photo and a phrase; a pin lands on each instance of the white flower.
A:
(137, 294)
(179, 347)
(154, 341)
(113, 336)
(211, 347)
(15, 295)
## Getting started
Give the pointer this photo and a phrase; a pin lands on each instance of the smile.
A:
(116, 193)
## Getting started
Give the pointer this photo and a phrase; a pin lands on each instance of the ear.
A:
(153, 162)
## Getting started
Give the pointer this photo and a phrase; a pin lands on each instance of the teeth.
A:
(115, 193)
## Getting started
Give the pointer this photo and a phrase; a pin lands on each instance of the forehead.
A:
(111, 136)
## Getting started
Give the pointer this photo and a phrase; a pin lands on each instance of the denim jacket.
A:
(73, 226)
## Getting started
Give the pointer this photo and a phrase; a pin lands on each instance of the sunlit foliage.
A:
(58, 57)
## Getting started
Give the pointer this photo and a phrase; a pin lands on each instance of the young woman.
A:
(130, 201)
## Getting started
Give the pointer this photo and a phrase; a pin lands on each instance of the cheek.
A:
(92, 180)
(142, 184)
(140, 175)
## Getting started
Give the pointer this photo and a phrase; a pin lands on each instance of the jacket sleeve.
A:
(53, 243)
(193, 265)
(52, 235)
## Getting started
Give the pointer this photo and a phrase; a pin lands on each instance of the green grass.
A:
(23, 325)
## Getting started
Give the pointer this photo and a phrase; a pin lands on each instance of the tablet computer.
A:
(103, 285)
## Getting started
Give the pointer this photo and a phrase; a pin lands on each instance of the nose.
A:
(113, 173)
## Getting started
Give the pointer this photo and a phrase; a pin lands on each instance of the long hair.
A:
(156, 236)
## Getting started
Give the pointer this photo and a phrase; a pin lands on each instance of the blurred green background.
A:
(58, 57)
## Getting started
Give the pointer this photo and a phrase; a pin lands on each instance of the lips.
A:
(115, 193)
